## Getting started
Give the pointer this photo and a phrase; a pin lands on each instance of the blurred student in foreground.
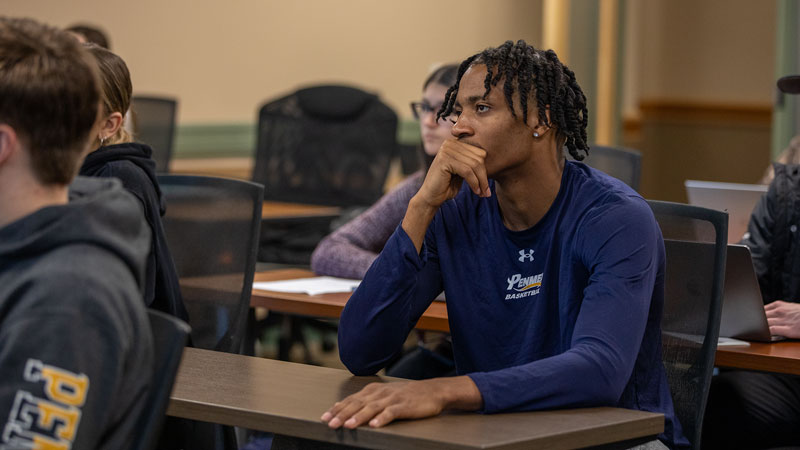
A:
(76, 351)
(89, 34)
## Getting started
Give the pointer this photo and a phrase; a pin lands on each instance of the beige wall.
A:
(222, 59)
(717, 51)
(698, 87)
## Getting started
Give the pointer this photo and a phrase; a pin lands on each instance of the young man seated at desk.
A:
(76, 350)
(553, 271)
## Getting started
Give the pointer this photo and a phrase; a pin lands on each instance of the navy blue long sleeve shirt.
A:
(564, 314)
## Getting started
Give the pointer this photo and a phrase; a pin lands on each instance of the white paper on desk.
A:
(721, 341)
(310, 286)
(731, 342)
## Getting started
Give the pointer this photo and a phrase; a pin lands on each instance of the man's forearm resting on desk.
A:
(381, 403)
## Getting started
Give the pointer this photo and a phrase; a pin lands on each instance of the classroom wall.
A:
(698, 89)
(710, 50)
(222, 59)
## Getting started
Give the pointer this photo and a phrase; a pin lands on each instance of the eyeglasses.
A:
(419, 109)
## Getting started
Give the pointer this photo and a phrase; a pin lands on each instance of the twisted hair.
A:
(536, 74)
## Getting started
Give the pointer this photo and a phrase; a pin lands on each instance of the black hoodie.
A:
(133, 165)
(76, 351)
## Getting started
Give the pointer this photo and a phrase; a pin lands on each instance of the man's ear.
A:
(540, 129)
(9, 142)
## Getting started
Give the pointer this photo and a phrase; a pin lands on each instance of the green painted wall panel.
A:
(239, 139)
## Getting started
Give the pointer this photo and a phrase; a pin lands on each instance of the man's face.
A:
(488, 123)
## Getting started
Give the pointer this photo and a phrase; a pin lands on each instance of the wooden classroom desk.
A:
(327, 305)
(780, 357)
(288, 398)
(241, 168)
(271, 210)
(238, 167)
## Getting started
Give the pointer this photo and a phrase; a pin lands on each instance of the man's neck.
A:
(18, 200)
(525, 196)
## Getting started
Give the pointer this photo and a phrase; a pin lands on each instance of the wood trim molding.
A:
(694, 111)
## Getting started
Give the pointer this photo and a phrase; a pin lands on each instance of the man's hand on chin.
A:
(380, 403)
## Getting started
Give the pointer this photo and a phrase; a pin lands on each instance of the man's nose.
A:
(462, 128)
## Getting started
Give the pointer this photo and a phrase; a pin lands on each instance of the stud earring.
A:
(535, 134)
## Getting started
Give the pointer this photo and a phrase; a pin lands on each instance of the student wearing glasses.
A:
(350, 250)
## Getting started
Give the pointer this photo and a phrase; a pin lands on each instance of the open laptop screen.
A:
(735, 198)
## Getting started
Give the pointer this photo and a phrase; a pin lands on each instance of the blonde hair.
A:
(117, 88)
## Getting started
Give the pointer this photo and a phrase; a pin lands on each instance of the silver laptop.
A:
(737, 199)
(743, 315)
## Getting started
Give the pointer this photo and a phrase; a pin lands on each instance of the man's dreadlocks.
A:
(541, 74)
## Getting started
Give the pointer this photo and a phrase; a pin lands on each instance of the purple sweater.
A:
(349, 251)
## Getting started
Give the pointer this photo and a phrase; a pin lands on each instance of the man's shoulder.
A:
(80, 323)
(590, 180)
(76, 276)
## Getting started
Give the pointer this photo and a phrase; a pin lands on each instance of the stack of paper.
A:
(310, 286)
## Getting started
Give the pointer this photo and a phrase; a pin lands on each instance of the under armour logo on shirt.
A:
(523, 255)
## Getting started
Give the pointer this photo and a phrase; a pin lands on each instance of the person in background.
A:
(350, 250)
(116, 155)
(89, 34)
(553, 271)
(759, 409)
(789, 155)
(76, 348)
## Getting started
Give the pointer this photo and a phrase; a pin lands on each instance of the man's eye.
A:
(482, 108)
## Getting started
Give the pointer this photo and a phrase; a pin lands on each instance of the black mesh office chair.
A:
(328, 145)
(212, 226)
(169, 339)
(695, 240)
(624, 164)
(154, 125)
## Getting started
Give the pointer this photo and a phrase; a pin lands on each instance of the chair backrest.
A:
(154, 125)
(695, 240)
(623, 164)
(212, 227)
(328, 145)
(169, 339)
